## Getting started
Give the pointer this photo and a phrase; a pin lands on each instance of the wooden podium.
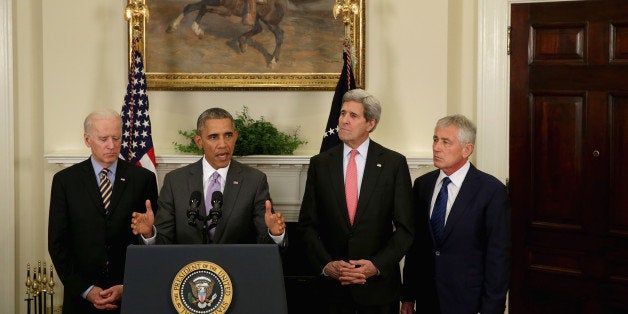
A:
(214, 278)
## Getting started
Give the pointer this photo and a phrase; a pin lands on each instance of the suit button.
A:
(437, 253)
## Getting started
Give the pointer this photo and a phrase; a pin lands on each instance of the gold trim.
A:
(179, 281)
(136, 14)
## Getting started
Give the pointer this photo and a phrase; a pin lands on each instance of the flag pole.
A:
(136, 14)
(137, 142)
(348, 9)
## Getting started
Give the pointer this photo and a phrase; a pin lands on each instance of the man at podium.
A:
(214, 200)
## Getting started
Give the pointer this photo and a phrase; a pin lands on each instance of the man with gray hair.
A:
(460, 259)
(356, 215)
(91, 204)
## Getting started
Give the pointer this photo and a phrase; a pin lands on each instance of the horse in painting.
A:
(269, 13)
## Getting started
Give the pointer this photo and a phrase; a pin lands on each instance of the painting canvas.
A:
(188, 50)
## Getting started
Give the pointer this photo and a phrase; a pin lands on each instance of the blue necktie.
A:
(438, 214)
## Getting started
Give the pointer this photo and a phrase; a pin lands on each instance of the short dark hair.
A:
(212, 113)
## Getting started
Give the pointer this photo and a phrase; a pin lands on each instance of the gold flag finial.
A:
(349, 9)
(136, 14)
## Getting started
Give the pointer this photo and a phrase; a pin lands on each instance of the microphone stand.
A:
(207, 227)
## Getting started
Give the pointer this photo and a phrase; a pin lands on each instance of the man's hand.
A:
(407, 307)
(358, 273)
(274, 221)
(108, 299)
(143, 223)
(335, 268)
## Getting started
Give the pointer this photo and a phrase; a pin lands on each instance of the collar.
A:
(362, 149)
(208, 170)
(456, 177)
(98, 168)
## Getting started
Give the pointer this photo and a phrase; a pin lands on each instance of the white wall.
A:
(70, 58)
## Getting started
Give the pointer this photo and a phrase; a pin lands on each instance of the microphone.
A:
(192, 213)
(216, 212)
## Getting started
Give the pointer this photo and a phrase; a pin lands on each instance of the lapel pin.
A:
(379, 165)
(236, 182)
(123, 179)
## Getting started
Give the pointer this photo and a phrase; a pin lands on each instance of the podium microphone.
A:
(216, 212)
(192, 213)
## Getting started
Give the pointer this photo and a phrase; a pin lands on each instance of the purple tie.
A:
(214, 185)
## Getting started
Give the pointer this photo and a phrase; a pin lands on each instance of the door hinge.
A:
(508, 40)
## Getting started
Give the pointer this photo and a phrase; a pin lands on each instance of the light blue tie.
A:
(438, 214)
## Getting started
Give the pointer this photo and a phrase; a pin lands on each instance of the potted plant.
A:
(255, 137)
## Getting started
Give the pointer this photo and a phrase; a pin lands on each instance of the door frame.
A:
(493, 85)
(8, 286)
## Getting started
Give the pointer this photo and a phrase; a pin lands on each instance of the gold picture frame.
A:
(186, 61)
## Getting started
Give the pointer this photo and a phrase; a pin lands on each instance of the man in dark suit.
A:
(460, 260)
(355, 240)
(88, 231)
(247, 215)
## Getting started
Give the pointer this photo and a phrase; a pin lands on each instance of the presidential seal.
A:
(201, 287)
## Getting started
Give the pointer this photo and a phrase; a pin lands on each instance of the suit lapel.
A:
(426, 198)
(119, 184)
(336, 179)
(233, 183)
(467, 192)
(88, 180)
(372, 170)
(195, 182)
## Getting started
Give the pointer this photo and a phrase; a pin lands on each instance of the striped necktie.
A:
(105, 189)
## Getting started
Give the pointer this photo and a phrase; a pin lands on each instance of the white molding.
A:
(493, 88)
(7, 175)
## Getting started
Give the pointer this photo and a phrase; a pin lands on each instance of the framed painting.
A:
(214, 45)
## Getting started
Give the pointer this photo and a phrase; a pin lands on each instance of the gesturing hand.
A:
(274, 221)
(142, 223)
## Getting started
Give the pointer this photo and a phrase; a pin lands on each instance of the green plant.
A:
(255, 137)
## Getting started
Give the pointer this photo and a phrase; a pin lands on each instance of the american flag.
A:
(345, 83)
(137, 141)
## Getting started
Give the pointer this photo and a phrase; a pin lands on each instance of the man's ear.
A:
(467, 150)
(197, 140)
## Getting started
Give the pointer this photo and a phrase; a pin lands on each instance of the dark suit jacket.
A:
(470, 271)
(385, 199)
(82, 238)
(242, 221)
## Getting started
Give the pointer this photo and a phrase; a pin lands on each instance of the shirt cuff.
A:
(278, 239)
(151, 240)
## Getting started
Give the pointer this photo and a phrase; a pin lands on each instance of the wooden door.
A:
(569, 157)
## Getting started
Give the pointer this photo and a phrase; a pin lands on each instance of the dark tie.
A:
(214, 185)
(351, 186)
(105, 189)
(438, 214)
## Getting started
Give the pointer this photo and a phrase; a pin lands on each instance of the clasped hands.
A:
(352, 272)
(108, 299)
(142, 223)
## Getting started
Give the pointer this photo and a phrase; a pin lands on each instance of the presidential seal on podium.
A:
(201, 287)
